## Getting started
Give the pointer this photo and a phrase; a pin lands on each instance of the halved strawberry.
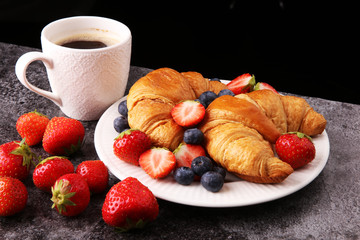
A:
(263, 85)
(242, 84)
(157, 162)
(188, 113)
(185, 153)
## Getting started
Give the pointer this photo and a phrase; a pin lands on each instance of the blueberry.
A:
(202, 102)
(215, 79)
(226, 92)
(207, 97)
(122, 108)
(220, 170)
(193, 136)
(184, 175)
(201, 165)
(121, 123)
(212, 181)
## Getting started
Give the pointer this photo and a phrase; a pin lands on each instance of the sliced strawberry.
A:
(242, 84)
(185, 153)
(157, 162)
(263, 85)
(188, 113)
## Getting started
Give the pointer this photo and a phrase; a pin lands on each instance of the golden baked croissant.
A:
(152, 97)
(288, 113)
(236, 130)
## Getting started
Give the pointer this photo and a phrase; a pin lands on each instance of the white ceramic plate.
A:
(235, 191)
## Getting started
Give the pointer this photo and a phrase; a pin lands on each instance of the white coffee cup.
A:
(84, 82)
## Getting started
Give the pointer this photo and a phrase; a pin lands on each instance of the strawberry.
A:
(130, 144)
(32, 127)
(263, 85)
(63, 136)
(188, 113)
(242, 84)
(13, 196)
(15, 159)
(129, 204)
(157, 162)
(70, 194)
(49, 170)
(95, 173)
(185, 153)
(296, 149)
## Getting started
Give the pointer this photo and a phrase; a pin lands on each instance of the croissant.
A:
(288, 113)
(152, 97)
(238, 132)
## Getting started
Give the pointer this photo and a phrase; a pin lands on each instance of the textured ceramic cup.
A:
(84, 82)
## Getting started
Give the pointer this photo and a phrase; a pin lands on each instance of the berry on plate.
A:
(297, 149)
(120, 124)
(207, 97)
(201, 165)
(15, 159)
(70, 194)
(63, 136)
(226, 92)
(188, 113)
(157, 162)
(31, 126)
(130, 144)
(50, 169)
(186, 153)
(263, 85)
(13, 196)
(220, 170)
(129, 204)
(95, 173)
(242, 84)
(212, 181)
(122, 108)
(184, 175)
(193, 136)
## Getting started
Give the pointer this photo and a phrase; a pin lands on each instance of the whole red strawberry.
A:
(297, 149)
(71, 194)
(63, 136)
(95, 173)
(130, 144)
(129, 204)
(15, 159)
(13, 196)
(31, 126)
(49, 170)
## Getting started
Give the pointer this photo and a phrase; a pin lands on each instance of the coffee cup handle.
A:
(20, 69)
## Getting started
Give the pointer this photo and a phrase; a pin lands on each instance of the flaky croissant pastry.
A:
(238, 132)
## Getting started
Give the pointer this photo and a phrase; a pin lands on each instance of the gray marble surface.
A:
(328, 208)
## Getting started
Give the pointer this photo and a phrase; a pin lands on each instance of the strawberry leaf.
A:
(24, 151)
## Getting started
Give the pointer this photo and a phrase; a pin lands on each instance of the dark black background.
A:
(302, 47)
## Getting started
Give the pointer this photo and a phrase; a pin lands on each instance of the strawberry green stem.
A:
(24, 150)
(61, 195)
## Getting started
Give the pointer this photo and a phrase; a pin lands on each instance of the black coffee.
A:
(84, 44)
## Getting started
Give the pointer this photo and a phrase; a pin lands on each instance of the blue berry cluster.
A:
(207, 97)
(212, 176)
(121, 123)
